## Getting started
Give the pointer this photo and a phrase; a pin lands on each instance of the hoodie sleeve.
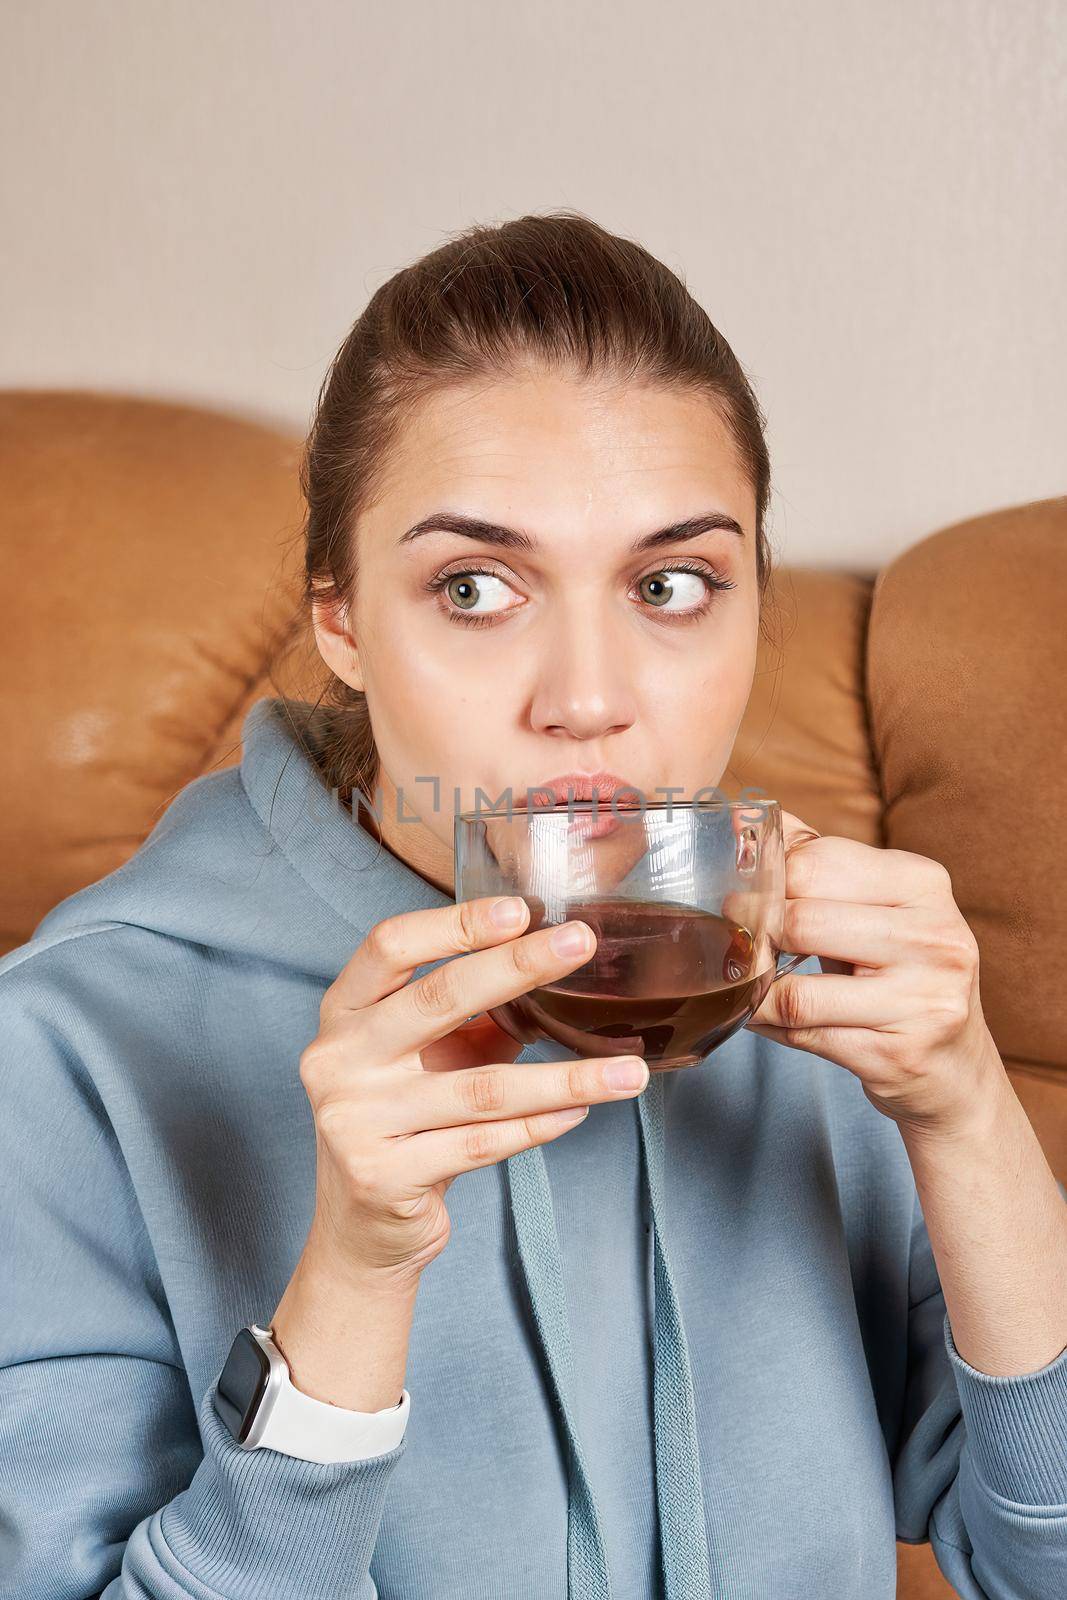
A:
(982, 1467)
(115, 1480)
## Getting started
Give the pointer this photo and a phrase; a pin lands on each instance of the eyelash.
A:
(715, 585)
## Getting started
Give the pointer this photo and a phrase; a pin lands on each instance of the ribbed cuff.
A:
(259, 1525)
(1016, 1427)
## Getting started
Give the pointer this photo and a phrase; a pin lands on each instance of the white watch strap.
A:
(299, 1425)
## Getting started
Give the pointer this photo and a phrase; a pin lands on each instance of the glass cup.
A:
(687, 902)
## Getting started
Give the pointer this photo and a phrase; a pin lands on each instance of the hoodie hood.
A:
(298, 882)
(294, 837)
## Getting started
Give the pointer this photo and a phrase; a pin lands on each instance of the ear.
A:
(335, 642)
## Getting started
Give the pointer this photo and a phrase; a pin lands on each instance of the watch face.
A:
(241, 1384)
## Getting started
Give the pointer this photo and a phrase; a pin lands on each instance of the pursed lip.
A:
(602, 786)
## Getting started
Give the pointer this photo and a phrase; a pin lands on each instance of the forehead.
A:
(548, 447)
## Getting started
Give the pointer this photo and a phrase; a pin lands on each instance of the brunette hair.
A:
(554, 290)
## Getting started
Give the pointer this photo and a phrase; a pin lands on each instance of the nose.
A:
(583, 688)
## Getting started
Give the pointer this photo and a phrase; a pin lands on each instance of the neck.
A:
(407, 838)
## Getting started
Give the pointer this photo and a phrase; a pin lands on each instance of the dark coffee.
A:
(666, 981)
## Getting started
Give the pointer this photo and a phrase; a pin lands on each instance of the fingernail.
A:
(507, 913)
(627, 1073)
(570, 939)
(564, 1119)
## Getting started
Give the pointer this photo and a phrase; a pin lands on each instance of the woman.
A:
(252, 1084)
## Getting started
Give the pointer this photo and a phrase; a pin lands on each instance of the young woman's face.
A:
(499, 661)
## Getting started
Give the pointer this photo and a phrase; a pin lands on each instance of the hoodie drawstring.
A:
(588, 1574)
(679, 1492)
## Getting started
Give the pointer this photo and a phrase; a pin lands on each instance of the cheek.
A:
(431, 721)
(435, 698)
(694, 704)
(710, 674)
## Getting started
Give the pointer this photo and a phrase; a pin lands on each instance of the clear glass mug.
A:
(687, 900)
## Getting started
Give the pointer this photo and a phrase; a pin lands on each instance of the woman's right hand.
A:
(400, 1111)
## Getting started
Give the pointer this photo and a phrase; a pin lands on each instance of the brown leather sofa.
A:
(152, 553)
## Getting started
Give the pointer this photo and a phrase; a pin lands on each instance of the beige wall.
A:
(868, 199)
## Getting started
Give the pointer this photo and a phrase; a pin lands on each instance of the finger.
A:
(442, 1154)
(504, 1091)
(482, 1135)
(841, 930)
(796, 833)
(839, 1045)
(824, 1000)
(833, 868)
(394, 947)
(441, 999)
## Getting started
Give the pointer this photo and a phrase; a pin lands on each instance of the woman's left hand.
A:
(900, 1008)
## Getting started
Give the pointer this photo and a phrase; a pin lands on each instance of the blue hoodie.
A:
(157, 1182)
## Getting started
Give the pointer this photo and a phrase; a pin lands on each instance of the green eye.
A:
(465, 589)
(659, 588)
(469, 593)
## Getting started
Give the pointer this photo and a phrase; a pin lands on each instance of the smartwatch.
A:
(263, 1411)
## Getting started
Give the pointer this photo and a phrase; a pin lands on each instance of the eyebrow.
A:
(515, 539)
